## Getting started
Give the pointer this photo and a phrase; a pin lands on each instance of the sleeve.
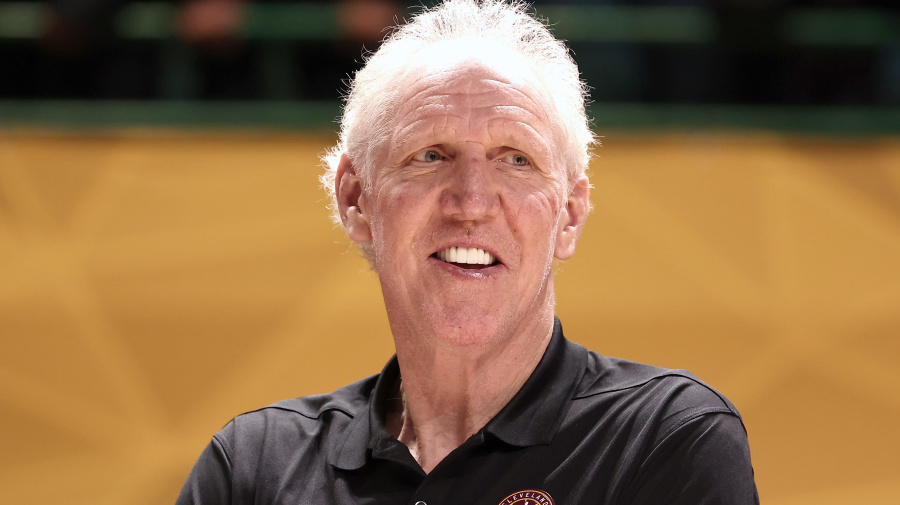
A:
(704, 461)
(209, 482)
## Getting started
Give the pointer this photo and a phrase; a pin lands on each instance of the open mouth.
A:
(471, 258)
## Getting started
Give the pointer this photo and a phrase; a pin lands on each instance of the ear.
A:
(572, 218)
(351, 201)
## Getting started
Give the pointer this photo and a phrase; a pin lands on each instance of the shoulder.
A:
(682, 441)
(676, 439)
(254, 454)
(348, 400)
(665, 398)
(297, 421)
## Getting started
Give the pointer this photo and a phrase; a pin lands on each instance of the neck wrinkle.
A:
(449, 396)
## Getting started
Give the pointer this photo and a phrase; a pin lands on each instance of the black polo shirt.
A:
(584, 429)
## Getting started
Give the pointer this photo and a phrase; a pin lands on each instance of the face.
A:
(467, 207)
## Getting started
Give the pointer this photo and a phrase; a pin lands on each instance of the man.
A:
(461, 174)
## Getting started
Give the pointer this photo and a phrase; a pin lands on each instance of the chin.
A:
(467, 328)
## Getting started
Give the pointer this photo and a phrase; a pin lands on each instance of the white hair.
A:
(370, 106)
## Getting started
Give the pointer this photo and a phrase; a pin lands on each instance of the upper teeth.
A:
(466, 255)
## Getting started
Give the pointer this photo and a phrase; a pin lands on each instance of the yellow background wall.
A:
(153, 285)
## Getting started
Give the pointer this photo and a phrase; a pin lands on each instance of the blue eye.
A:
(428, 156)
(516, 159)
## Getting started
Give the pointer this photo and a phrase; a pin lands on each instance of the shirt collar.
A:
(530, 418)
(366, 430)
(535, 412)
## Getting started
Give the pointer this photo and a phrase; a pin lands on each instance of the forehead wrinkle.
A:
(409, 134)
(532, 136)
(411, 105)
(511, 112)
(435, 80)
(479, 121)
(511, 87)
(490, 121)
(475, 101)
(472, 89)
(520, 114)
(435, 116)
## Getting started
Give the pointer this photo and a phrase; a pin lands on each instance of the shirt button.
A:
(421, 503)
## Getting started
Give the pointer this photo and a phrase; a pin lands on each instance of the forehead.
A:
(470, 89)
(453, 54)
(452, 91)
(478, 68)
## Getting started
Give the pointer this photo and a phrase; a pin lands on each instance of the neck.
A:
(451, 393)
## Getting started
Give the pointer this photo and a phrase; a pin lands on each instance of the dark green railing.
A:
(313, 115)
(297, 22)
(639, 24)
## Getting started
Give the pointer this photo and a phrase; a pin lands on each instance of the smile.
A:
(466, 256)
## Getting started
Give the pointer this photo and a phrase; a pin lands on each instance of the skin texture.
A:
(471, 163)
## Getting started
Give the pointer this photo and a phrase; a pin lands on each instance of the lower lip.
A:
(466, 273)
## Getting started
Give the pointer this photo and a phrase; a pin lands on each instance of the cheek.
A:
(398, 209)
(534, 219)
(403, 193)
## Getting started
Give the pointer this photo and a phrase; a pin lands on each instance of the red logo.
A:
(528, 497)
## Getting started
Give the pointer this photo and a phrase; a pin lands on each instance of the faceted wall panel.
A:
(155, 284)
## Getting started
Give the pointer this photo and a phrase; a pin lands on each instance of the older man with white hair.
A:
(460, 172)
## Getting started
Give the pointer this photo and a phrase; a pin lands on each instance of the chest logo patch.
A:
(528, 497)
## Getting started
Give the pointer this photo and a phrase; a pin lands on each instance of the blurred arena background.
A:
(167, 261)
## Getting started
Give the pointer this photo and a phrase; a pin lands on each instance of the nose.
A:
(470, 193)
